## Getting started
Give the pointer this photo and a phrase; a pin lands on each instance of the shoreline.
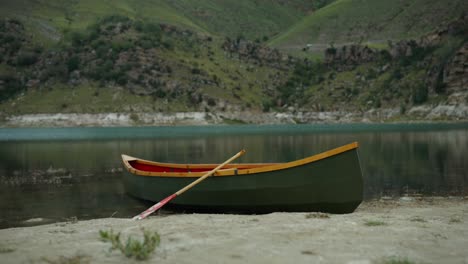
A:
(420, 230)
(419, 114)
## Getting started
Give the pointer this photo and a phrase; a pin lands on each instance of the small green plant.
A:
(133, 248)
(6, 250)
(397, 260)
(134, 117)
(374, 223)
(455, 219)
(317, 215)
(418, 219)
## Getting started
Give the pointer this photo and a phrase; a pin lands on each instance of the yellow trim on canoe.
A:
(230, 169)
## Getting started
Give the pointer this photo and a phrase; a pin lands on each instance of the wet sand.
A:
(419, 230)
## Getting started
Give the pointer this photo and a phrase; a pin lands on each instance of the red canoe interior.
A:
(156, 168)
(153, 168)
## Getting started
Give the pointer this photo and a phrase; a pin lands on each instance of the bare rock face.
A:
(455, 76)
(256, 53)
(456, 27)
(350, 55)
(403, 48)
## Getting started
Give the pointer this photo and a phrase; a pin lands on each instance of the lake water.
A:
(57, 174)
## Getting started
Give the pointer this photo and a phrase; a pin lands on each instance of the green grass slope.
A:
(253, 19)
(374, 21)
(259, 19)
(47, 20)
(134, 56)
(119, 64)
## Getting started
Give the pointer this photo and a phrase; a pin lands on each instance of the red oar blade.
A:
(155, 207)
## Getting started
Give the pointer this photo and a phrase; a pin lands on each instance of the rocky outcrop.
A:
(350, 55)
(457, 27)
(256, 53)
(455, 74)
(355, 54)
(403, 48)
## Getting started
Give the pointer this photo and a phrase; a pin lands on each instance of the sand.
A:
(418, 230)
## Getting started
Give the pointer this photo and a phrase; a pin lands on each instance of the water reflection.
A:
(60, 179)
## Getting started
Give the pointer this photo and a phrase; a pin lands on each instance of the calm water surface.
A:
(59, 174)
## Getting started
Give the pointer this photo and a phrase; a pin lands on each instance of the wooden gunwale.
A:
(247, 168)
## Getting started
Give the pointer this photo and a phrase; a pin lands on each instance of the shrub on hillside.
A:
(11, 86)
(78, 38)
(419, 93)
(440, 85)
(59, 71)
(122, 78)
(113, 19)
(121, 45)
(73, 63)
(26, 58)
(267, 104)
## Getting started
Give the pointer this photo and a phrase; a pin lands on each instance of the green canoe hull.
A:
(332, 185)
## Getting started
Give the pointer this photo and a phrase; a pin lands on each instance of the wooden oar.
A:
(157, 206)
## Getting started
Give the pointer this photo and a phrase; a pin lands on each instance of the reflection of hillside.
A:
(428, 162)
(393, 162)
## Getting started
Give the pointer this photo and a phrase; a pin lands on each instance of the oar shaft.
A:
(179, 192)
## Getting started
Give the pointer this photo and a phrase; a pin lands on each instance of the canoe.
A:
(327, 182)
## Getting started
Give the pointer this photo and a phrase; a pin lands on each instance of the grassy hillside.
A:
(48, 20)
(122, 64)
(141, 56)
(374, 21)
(254, 19)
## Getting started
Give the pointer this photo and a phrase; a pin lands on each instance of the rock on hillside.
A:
(455, 77)
(257, 53)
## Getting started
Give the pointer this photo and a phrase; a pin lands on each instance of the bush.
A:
(167, 44)
(73, 63)
(102, 50)
(267, 104)
(211, 102)
(122, 45)
(103, 71)
(93, 31)
(151, 28)
(26, 58)
(11, 86)
(385, 56)
(59, 71)
(440, 85)
(112, 19)
(138, 26)
(331, 50)
(145, 43)
(122, 79)
(8, 38)
(396, 74)
(419, 93)
(78, 38)
(159, 93)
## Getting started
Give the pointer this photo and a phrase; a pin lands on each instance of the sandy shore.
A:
(429, 230)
